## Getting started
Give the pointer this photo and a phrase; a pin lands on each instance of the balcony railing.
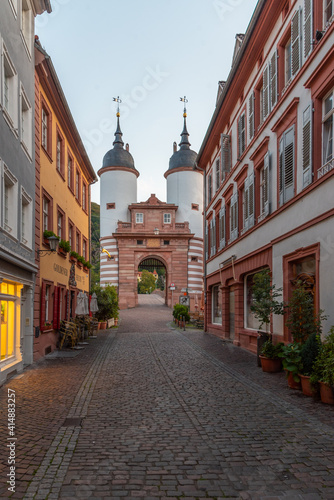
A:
(128, 227)
(326, 168)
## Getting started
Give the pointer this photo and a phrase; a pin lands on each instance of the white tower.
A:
(118, 189)
(185, 189)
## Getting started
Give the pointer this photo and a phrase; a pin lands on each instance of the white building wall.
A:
(185, 188)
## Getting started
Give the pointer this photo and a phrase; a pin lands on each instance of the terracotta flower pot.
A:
(326, 393)
(292, 383)
(306, 385)
(270, 365)
(103, 325)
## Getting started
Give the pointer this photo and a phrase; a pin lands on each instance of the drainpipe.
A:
(196, 167)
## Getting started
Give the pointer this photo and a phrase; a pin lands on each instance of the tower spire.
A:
(118, 142)
(184, 144)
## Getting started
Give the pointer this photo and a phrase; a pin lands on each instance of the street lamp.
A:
(53, 242)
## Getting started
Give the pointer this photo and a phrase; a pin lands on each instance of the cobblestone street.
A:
(148, 411)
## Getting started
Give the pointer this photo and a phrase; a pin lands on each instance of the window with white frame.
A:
(328, 12)
(69, 172)
(84, 196)
(70, 234)
(27, 24)
(327, 129)
(10, 202)
(265, 93)
(77, 184)
(44, 128)
(241, 134)
(84, 249)
(216, 296)
(264, 188)
(10, 89)
(287, 165)
(60, 224)
(60, 157)
(26, 219)
(167, 218)
(26, 123)
(46, 214)
(273, 80)
(139, 218)
(47, 302)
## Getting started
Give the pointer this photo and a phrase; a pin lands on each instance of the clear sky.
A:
(150, 53)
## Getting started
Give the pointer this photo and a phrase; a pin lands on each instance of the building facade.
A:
(268, 162)
(17, 190)
(63, 178)
(142, 235)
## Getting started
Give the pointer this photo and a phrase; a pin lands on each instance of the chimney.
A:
(174, 147)
(127, 146)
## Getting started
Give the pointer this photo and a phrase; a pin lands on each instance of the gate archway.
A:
(157, 267)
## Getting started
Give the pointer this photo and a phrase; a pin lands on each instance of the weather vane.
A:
(118, 100)
(185, 100)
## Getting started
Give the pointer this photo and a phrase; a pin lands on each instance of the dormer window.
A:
(167, 218)
(139, 218)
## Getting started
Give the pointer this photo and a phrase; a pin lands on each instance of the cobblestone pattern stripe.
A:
(49, 477)
(288, 407)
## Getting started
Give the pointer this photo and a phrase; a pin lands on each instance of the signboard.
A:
(184, 300)
(172, 286)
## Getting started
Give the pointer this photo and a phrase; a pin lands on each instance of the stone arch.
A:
(151, 262)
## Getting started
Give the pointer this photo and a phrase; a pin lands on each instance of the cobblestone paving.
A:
(165, 416)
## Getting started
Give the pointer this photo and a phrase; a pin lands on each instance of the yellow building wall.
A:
(55, 267)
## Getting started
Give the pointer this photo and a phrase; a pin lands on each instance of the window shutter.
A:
(289, 164)
(56, 320)
(234, 217)
(265, 103)
(222, 241)
(241, 134)
(251, 115)
(245, 205)
(295, 43)
(226, 158)
(42, 311)
(308, 27)
(214, 235)
(273, 80)
(217, 174)
(307, 146)
(251, 200)
(206, 241)
(210, 188)
(281, 170)
(265, 194)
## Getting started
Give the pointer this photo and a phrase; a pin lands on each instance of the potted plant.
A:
(64, 247)
(292, 363)
(86, 266)
(323, 369)
(302, 321)
(309, 352)
(270, 360)
(73, 256)
(80, 261)
(107, 300)
(46, 235)
(265, 303)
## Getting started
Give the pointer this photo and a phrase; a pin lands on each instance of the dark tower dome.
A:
(184, 157)
(118, 156)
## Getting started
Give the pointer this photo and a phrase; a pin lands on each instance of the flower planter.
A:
(62, 252)
(73, 259)
(270, 365)
(103, 325)
(85, 269)
(326, 393)
(292, 383)
(307, 387)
